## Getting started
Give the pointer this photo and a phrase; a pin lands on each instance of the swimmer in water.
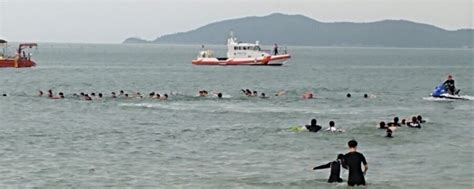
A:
(100, 95)
(121, 93)
(394, 123)
(87, 97)
(332, 127)
(61, 95)
(126, 95)
(389, 133)
(40, 93)
(313, 127)
(113, 95)
(4, 94)
(404, 122)
(254, 93)
(158, 96)
(420, 119)
(382, 125)
(414, 123)
(50, 93)
(219, 95)
(308, 95)
(151, 95)
(281, 93)
(335, 169)
(353, 160)
(366, 96)
(263, 95)
(248, 92)
(348, 95)
(165, 97)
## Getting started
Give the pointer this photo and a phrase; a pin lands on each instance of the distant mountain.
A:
(301, 30)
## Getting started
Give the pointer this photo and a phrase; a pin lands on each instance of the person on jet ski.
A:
(449, 84)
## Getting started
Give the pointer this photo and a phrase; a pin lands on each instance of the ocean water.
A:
(241, 142)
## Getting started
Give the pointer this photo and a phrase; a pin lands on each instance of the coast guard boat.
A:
(20, 59)
(244, 54)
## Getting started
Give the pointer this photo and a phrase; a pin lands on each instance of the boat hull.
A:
(21, 63)
(276, 60)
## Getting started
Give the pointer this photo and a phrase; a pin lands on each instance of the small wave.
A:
(464, 97)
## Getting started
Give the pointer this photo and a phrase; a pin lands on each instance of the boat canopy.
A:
(3, 41)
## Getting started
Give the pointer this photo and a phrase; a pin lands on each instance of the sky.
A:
(112, 21)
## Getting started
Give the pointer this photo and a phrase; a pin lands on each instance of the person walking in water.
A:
(353, 161)
(335, 168)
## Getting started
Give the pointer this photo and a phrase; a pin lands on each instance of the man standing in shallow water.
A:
(353, 161)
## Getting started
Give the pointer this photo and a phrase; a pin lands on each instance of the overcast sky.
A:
(111, 21)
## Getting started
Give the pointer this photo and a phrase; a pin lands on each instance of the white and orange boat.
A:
(243, 54)
(20, 59)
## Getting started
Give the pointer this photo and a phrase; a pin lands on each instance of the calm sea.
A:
(192, 142)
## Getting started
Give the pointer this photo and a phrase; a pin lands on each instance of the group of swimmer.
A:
(96, 96)
(415, 122)
(314, 127)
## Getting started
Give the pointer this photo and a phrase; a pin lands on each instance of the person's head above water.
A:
(340, 156)
(414, 119)
(403, 121)
(331, 124)
(395, 119)
(352, 144)
(314, 122)
(382, 124)
(389, 132)
(419, 118)
(450, 77)
(219, 95)
(348, 95)
(100, 95)
(366, 96)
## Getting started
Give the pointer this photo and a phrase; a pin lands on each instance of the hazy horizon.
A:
(110, 21)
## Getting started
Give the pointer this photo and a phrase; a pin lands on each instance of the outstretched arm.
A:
(325, 166)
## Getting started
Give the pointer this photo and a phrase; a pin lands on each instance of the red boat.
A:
(21, 58)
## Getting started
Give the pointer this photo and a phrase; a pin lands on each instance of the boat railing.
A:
(281, 50)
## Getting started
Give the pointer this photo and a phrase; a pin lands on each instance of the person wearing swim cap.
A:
(313, 127)
(449, 84)
(335, 168)
(353, 161)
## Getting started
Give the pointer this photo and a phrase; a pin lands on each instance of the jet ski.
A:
(441, 91)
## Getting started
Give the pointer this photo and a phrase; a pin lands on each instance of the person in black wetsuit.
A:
(335, 168)
(449, 84)
(313, 127)
(353, 161)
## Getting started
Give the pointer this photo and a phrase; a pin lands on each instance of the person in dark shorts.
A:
(353, 161)
(335, 168)
(313, 127)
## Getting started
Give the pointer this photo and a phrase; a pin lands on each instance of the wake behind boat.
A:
(243, 54)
